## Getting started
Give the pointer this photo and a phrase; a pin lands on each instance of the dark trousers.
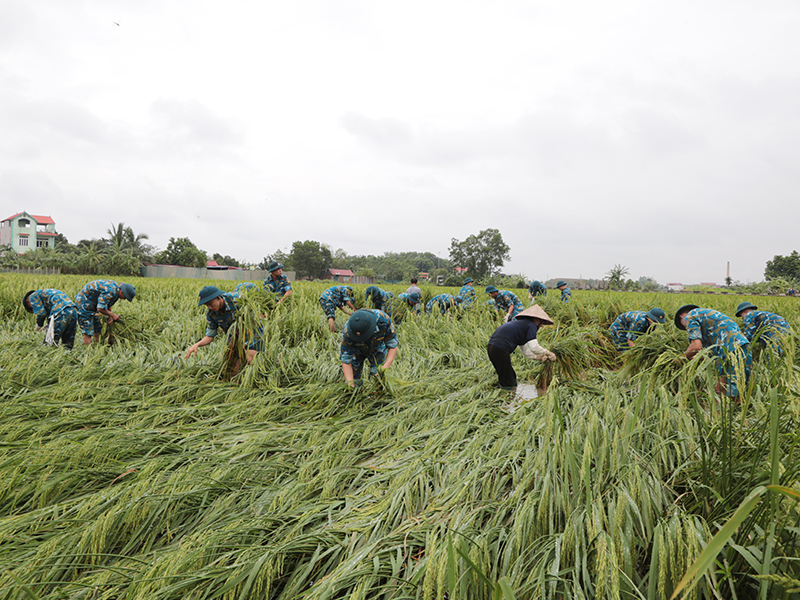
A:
(501, 361)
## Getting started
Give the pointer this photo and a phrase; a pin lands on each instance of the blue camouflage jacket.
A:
(278, 286)
(714, 329)
(566, 295)
(47, 303)
(221, 319)
(96, 295)
(628, 326)
(338, 295)
(537, 288)
(468, 295)
(769, 324)
(506, 299)
(444, 301)
(385, 337)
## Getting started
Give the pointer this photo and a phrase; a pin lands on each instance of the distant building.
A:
(24, 232)
(212, 264)
(708, 284)
(340, 275)
(347, 276)
(674, 287)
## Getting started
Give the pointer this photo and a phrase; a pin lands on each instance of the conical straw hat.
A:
(536, 311)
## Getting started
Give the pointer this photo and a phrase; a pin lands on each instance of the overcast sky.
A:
(663, 136)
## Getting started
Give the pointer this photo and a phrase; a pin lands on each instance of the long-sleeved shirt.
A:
(514, 333)
(97, 295)
(338, 295)
(221, 319)
(537, 288)
(278, 286)
(444, 301)
(767, 325)
(468, 295)
(49, 302)
(505, 299)
(715, 329)
(384, 338)
(628, 326)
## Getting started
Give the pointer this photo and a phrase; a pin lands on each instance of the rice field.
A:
(127, 471)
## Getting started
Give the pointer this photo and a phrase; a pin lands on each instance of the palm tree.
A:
(616, 276)
(121, 238)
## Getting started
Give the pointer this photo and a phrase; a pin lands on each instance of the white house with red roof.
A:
(24, 231)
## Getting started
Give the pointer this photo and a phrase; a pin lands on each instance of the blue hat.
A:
(683, 309)
(415, 297)
(208, 293)
(128, 291)
(467, 280)
(490, 289)
(560, 283)
(743, 307)
(657, 315)
(245, 286)
(274, 266)
(361, 325)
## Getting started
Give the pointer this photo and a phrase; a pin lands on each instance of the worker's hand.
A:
(505, 319)
(192, 351)
(550, 356)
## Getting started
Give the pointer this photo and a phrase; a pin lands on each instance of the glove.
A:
(550, 356)
(505, 319)
(534, 351)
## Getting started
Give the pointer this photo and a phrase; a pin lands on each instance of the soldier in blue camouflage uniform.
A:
(335, 297)
(444, 301)
(711, 329)
(245, 288)
(536, 288)
(277, 282)
(765, 327)
(368, 335)
(566, 294)
(467, 293)
(221, 314)
(56, 304)
(98, 297)
(404, 303)
(505, 302)
(381, 299)
(630, 325)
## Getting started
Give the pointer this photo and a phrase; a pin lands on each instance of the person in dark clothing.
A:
(519, 332)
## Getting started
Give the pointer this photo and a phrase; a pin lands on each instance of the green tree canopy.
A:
(226, 260)
(481, 254)
(787, 267)
(310, 258)
(182, 252)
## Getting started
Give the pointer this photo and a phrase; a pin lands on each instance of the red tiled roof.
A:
(212, 263)
(42, 220)
(340, 272)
